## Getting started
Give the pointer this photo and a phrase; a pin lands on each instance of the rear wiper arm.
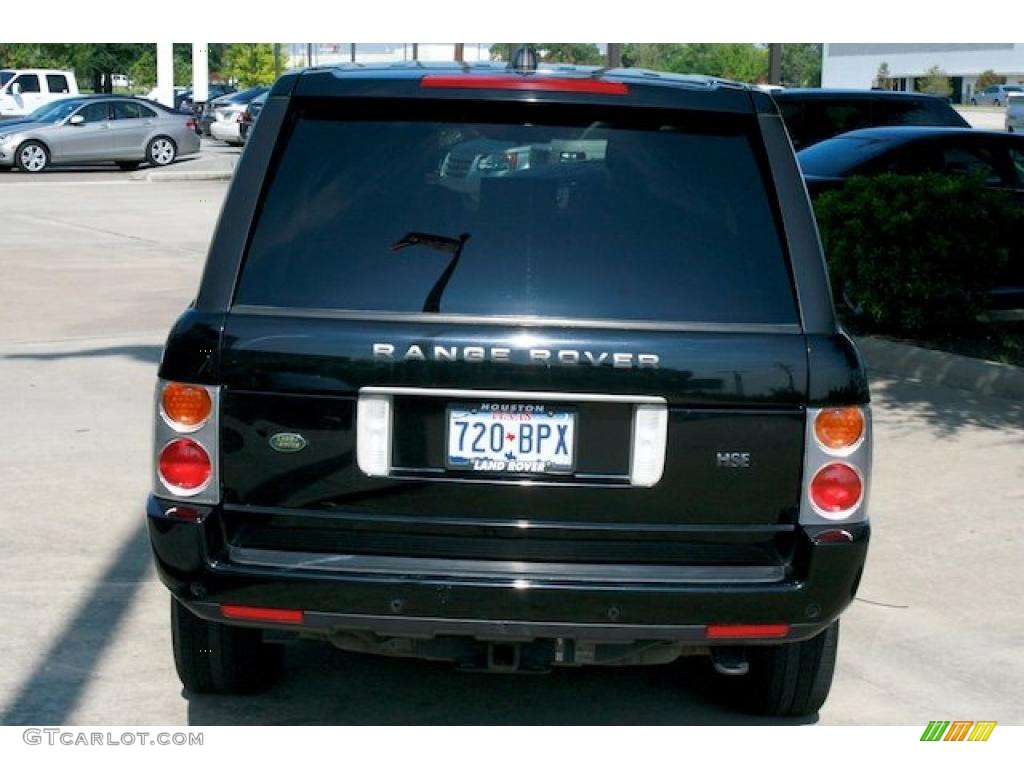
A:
(451, 245)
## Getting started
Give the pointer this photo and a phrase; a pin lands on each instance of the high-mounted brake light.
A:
(184, 467)
(186, 407)
(526, 83)
(838, 429)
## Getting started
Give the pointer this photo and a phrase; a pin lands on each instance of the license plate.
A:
(511, 438)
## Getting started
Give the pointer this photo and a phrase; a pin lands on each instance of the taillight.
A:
(191, 124)
(186, 441)
(839, 429)
(184, 467)
(836, 490)
(837, 464)
(185, 406)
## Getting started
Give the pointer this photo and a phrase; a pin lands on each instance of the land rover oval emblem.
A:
(287, 442)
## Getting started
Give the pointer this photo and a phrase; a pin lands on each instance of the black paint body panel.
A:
(729, 389)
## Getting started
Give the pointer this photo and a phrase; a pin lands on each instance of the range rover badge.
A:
(287, 442)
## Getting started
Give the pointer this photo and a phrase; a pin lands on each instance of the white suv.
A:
(24, 90)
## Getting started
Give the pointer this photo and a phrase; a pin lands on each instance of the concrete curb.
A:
(934, 367)
(188, 176)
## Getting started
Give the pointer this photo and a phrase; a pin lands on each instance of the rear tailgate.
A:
(587, 262)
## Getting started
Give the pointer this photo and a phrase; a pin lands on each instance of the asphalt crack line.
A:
(99, 230)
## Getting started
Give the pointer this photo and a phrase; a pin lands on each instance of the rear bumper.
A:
(224, 131)
(508, 602)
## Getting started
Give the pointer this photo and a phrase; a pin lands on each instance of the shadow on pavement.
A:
(945, 410)
(50, 693)
(327, 686)
(145, 353)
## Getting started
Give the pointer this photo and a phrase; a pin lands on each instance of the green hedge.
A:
(916, 255)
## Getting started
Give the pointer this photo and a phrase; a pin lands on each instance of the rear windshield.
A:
(504, 213)
(5, 77)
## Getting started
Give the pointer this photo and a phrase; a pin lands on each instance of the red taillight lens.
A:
(186, 406)
(836, 489)
(184, 466)
(190, 124)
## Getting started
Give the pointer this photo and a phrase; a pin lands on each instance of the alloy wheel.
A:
(162, 151)
(33, 158)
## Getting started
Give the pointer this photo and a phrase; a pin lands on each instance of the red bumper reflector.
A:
(251, 613)
(185, 513)
(525, 83)
(747, 630)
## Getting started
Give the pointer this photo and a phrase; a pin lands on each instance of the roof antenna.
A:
(524, 59)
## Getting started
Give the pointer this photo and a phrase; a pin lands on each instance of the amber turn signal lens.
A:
(838, 428)
(186, 405)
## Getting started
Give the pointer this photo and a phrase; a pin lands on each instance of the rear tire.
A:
(217, 658)
(788, 680)
(161, 151)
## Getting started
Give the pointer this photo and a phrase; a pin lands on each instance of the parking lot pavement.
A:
(94, 275)
(984, 118)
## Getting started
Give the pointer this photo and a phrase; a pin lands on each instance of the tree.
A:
(563, 53)
(570, 53)
(249, 63)
(936, 83)
(882, 77)
(143, 70)
(734, 61)
(987, 78)
(801, 64)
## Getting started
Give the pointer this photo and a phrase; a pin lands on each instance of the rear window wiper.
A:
(450, 245)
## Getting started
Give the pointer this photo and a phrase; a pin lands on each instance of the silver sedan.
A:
(97, 129)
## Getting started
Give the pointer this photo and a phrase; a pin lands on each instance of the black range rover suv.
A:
(514, 369)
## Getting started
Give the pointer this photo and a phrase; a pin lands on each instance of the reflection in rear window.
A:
(658, 222)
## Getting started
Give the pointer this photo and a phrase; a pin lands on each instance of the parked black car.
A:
(910, 151)
(590, 407)
(816, 114)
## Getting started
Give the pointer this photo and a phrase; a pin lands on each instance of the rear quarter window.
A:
(57, 84)
(485, 212)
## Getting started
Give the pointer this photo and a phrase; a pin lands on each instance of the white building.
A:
(376, 53)
(855, 65)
